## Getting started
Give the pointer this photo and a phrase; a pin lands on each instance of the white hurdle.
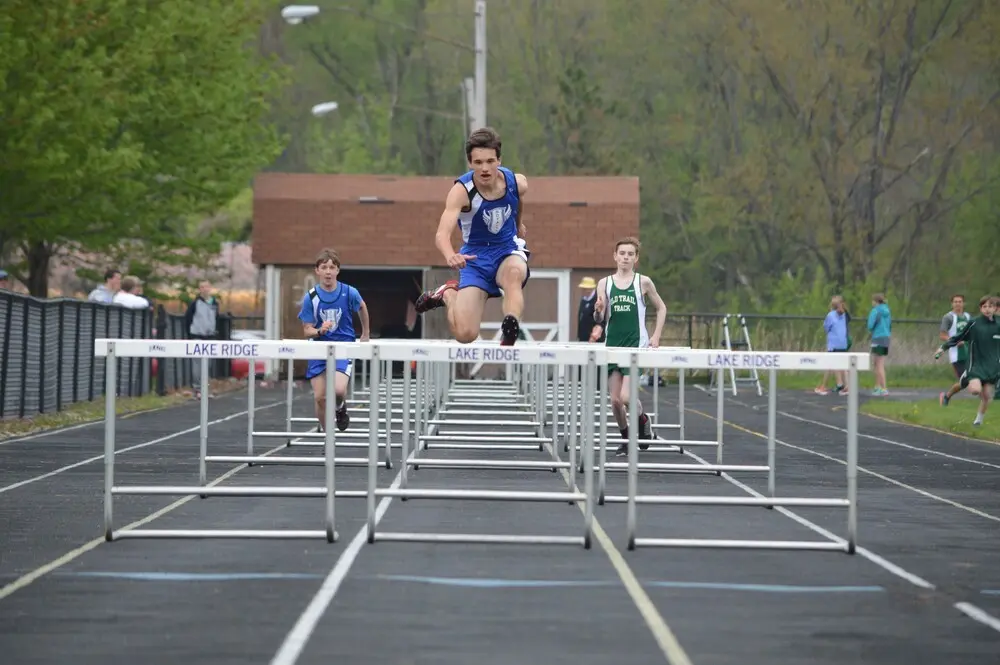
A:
(720, 362)
(113, 349)
(515, 403)
(523, 401)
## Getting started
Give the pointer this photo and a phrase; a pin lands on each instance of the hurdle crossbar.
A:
(723, 361)
(113, 349)
(538, 371)
(484, 393)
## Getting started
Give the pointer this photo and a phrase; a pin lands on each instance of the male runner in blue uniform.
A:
(327, 315)
(485, 203)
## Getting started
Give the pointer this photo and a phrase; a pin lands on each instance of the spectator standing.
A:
(201, 320)
(585, 314)
(105, 293)
(4, 281)
(880, 327)
(837, 341)
(129, 296)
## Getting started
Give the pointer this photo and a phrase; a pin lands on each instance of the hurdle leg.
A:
(387, 381)
(407, 380)
(110, 419)
(603, 429)
(375, 366)
(681, 372)
(588, 452)
(772, 412)
(633, 448)
(203, 429)
(574, 421)
(251, 404)
(852, 456)
(331, 444)
(289, 397)
(720, 400)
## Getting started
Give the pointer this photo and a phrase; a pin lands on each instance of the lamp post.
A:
(475, 86)
(295, 14)
(324, 108)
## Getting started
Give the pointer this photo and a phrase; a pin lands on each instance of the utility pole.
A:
(475, 88)
(481, 62)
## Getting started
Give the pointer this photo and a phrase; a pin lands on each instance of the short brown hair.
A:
(327, 255)
(486, 137)
(130, 283)
(996, 301)
(629, 240)
(986, 299)
(879, 298)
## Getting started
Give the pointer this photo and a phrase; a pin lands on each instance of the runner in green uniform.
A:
(982, 338)
(623, 296)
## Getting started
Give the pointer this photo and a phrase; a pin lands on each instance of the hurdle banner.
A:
(528, 356)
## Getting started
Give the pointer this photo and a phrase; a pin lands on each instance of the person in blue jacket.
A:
(880, 327)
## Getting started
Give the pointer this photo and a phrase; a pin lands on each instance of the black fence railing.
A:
(47, 353)
(177, 373)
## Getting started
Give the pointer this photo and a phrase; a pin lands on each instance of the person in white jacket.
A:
(127, 296)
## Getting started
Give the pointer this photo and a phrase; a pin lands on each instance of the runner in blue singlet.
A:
(327, 315)
(485, 203)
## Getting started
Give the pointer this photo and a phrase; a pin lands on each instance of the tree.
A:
(123, 118)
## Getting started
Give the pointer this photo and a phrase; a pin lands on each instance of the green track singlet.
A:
(626, 315)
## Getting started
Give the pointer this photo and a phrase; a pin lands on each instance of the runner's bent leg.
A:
(511, 277)
(465, 313)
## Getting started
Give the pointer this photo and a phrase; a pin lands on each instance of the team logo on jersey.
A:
(495, 218)
(331, 315)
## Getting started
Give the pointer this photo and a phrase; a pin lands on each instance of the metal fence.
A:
(913, 340)
(47, 353)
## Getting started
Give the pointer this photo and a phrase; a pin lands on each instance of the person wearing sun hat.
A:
(585, 315)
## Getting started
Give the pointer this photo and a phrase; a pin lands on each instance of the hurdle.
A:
(656, 445)
(113, 349)
(353, 437)
(721, 362)
(533, 361)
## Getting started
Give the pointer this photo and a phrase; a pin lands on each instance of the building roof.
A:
(592, 190)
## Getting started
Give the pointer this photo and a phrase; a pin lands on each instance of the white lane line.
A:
(968, 609)
(138, 446)
(55, 564)
(891, 442)
(296, 640)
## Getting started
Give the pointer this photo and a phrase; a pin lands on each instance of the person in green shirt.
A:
(982, 339)
(624, 296)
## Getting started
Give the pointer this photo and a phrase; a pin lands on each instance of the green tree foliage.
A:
(122, 119)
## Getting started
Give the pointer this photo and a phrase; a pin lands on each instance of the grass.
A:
(899, 377)
(956, 418)
(903, 376)
(83, 412)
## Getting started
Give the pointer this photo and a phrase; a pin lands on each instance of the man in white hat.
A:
(585, 315)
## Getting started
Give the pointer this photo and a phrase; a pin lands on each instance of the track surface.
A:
(929, 529)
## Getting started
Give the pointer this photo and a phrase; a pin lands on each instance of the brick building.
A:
(383, 228)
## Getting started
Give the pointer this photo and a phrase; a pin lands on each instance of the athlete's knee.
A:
(464, 330)
(616, 401)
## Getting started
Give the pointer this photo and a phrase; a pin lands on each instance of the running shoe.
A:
(509, 329)
(343, 418)
(429, 300)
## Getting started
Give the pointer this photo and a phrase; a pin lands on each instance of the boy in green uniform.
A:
(982, 338)
(623, 296)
